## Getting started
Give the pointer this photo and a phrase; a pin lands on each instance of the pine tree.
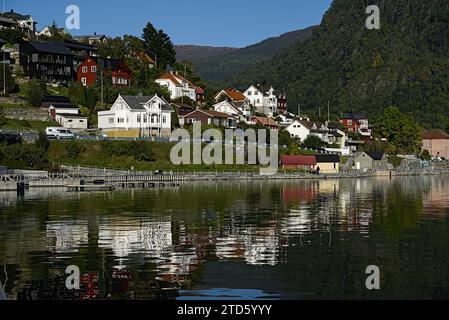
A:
(158, 45)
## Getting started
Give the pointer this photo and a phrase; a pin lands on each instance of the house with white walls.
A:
(264, 100)
(26, 23)
(178, 86)
(137, 116)
(240, 109)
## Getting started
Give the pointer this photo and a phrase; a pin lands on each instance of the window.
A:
(145, 119)
(70, 120)
(139, 118)
(120, 120)
(191, 120)
(349, 122)
(84, 81)
(164, 119)
(111, 120)
(93, 69)
(84, 70)
(250, 93)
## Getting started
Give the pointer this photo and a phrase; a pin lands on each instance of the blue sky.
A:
(234, 23)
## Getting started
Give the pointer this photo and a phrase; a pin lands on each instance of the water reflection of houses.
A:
(154, 240)
(67, 236)
(328, 205)
(254, 245)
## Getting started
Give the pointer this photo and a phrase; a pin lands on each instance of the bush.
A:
(35, 92)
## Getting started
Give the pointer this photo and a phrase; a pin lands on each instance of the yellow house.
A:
(328, 163)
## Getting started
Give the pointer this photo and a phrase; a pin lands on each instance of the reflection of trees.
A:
(314, 238)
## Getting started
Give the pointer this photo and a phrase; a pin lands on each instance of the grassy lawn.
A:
(14, 106)
(95, 154)
(14, 124)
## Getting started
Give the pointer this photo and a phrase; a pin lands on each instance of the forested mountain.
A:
(194, 53)
(217, 64)
(405, 63)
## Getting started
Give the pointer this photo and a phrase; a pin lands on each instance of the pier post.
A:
(2, 292)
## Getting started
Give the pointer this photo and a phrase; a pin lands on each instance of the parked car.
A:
(59, 133)
(10, 138)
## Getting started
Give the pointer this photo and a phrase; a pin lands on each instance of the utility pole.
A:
(102, 89)
(3, 61)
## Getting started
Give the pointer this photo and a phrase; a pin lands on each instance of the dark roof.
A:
(64, 106)
(376, 155)
(72, 116)
(74, 45)
(183, 105)
(55, 99)
(298, 160)
(111, 64)
(5, 20)
(93, 36)
(50, 47)
(353, 116)
(327, 158)
(137, 102)
(435, 134)
(16, 16)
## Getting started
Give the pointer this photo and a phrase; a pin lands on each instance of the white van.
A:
(59, 133)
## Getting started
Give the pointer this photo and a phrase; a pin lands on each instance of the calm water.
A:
(292, 240)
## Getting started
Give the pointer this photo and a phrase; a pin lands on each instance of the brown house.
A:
(208, 117)
(265, 122)
(436, 141)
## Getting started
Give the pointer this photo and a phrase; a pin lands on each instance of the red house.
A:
(358, 124)
(116, 69)
(199, 95)
(299, 162)
(87, 72)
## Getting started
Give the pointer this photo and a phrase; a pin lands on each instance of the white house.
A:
(24, 22)
(240, 109)
(265, 101)
(68, 116)
(75, 122)
(299, 129)
(137, 116)
(177, 85)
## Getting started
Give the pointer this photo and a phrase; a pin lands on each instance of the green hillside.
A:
(405, 63)
(222, 63)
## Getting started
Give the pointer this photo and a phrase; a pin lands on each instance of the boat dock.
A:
(88, 181)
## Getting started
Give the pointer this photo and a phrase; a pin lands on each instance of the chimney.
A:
(95, 33)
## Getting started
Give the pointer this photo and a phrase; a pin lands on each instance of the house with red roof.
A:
(265, 122)
(179, 87)
(233, 95)
(307, 162)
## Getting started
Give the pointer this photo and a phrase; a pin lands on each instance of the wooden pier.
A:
(89, 181)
